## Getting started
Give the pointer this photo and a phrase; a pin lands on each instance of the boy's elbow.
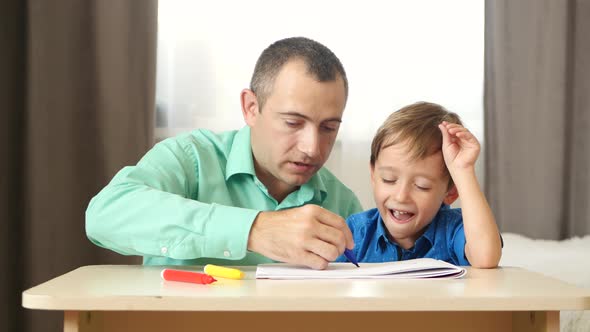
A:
(488, 261)
(485, 265)
(483, 258)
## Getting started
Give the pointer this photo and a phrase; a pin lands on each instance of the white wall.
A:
(395, 53)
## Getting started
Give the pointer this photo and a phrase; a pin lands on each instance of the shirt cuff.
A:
(227, 232)
(459, 243)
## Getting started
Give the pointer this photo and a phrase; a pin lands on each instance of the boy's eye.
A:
(422, 188)
(390, 181)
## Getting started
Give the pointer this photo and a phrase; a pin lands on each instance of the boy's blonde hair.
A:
(416, 125)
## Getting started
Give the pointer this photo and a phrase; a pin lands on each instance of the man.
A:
(242, 197)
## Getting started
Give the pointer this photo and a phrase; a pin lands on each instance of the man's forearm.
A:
(134, 219)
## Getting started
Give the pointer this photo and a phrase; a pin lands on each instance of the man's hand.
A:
(308, 235)
(460, 147)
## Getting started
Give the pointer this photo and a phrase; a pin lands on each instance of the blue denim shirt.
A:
(444, 239)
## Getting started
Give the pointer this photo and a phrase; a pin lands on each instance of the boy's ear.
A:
(372, 170)
(249, 106)
(451, 195)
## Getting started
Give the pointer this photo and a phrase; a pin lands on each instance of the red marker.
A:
(187, 276)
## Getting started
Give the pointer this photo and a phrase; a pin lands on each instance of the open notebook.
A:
(409, 269)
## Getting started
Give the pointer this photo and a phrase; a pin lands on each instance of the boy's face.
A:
(409, 193)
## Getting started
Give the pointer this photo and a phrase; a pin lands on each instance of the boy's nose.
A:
(402, 194)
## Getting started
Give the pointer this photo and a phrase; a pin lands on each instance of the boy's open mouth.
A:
(400, 216)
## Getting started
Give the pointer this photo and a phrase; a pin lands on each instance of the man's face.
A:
(293, 135)
(408, 193)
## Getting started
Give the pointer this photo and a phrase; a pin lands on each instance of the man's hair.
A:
(417, 126)
(322, 64)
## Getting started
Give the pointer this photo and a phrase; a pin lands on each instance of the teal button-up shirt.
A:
(192, 199)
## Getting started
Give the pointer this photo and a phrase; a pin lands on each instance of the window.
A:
(395, 53)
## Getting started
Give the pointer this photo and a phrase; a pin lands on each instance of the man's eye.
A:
(292, 124)
(329, 129)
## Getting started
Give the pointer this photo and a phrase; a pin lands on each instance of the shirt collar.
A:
(316, 187)
(240, 161)
(431, 230)
(382, 233)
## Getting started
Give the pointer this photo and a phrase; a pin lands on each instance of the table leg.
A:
(535, 321)
(84, 321)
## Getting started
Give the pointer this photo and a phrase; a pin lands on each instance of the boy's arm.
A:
(460, 151)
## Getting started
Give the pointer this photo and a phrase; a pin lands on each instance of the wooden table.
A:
(134, 298)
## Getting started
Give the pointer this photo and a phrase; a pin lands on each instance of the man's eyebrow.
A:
(299, 115)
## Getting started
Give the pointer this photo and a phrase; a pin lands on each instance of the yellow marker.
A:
(223, 272)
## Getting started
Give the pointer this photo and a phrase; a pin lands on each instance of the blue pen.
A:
(350, 255)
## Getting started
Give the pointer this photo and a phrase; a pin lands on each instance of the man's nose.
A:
(309, 143)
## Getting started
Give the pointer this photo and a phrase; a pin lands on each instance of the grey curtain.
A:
(537, 116)
(77, 95)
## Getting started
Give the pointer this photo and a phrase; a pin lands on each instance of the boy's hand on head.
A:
(308, 235)
(460, 148)
(460, 151)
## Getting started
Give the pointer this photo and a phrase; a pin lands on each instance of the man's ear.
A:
(451, 195)
(249, 106)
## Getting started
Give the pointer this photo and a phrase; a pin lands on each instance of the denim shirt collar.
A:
(383, 235)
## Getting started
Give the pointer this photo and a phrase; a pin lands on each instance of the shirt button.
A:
(226, 253)
(164, 250)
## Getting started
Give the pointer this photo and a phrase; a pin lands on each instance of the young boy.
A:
(422, 159)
